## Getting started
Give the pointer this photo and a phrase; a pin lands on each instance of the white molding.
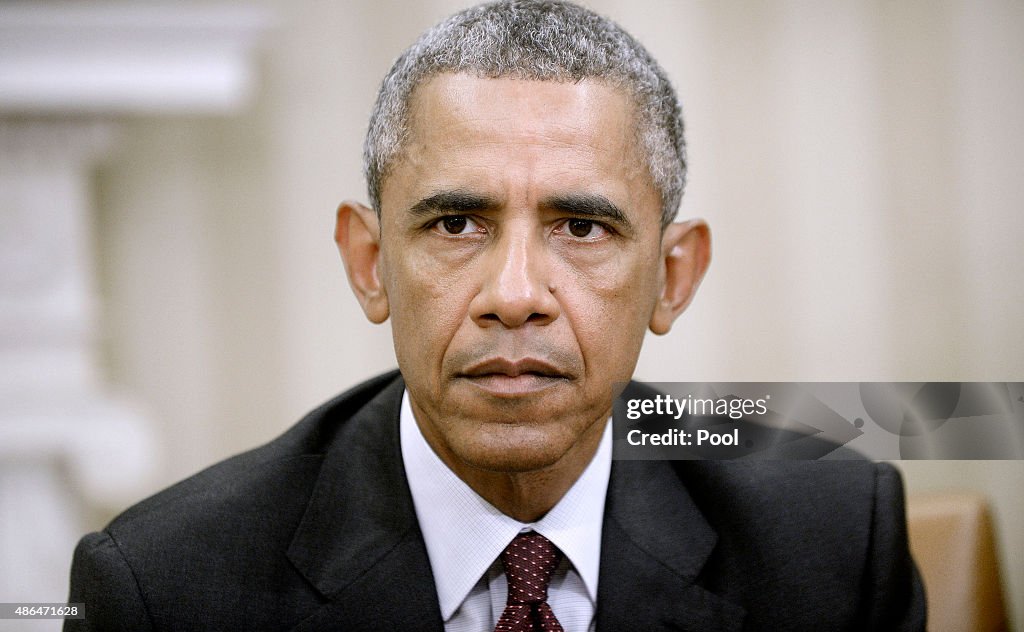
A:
(68, 71)
(127, 58)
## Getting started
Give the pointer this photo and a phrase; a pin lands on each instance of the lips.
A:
(510, 378)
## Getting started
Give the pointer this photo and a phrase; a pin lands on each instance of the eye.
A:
(457, 225)
(585, 228)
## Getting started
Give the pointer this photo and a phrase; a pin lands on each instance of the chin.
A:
(515, 449)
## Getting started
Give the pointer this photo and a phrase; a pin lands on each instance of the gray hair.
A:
(547, 40)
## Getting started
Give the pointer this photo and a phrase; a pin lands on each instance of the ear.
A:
(357, 233)
(685, 253)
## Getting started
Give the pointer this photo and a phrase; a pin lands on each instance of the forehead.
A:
(471, 131)
(531, 102)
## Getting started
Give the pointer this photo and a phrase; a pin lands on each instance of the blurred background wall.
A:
(860, 164)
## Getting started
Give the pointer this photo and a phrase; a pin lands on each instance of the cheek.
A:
(609, 302)
(428, 299)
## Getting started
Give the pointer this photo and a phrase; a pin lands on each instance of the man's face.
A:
(521, 259)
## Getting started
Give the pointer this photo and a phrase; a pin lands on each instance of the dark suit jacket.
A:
(316, 531)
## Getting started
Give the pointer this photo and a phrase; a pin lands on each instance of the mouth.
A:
(511, 378)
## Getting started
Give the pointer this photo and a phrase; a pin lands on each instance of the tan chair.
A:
(952, 541)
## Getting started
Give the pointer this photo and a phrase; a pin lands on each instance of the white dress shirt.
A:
(465, 534)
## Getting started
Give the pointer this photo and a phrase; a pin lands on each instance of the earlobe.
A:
(685, 255)
(357, 234)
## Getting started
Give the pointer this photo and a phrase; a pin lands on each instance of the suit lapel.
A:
(654, 545)
(359, 543)
(360, 546)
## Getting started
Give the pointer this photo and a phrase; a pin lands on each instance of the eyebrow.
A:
(582, 205)
(589, 206)
(452, 202)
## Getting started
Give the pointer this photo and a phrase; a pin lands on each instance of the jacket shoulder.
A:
(832, 529)
(831, 504)
(220, 536)
(279, 467)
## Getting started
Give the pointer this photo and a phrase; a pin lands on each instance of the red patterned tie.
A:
(529, 561)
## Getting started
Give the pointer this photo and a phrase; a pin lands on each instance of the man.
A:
(525, 161)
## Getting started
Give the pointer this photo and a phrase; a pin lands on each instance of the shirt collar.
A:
(464, 533)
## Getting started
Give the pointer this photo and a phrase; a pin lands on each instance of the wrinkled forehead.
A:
(590, 107)
(463, 128)
(591, 120)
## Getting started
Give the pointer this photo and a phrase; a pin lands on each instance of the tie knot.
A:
(529, 561)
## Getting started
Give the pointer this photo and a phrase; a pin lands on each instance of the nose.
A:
(516, 288)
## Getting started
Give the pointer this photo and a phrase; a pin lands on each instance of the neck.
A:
(524, 495)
